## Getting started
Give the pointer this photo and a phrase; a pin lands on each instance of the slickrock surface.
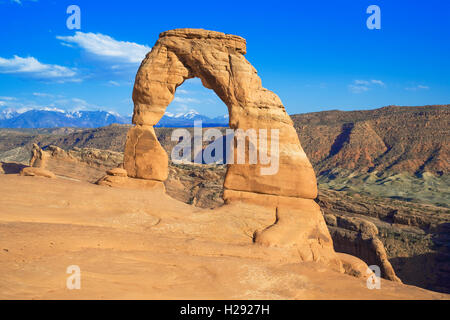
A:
(136, 244)
(87, 164)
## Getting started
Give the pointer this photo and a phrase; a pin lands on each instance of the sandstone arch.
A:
(218, 60)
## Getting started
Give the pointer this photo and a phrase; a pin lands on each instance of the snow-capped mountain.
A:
(51, 118)
(54, 117)
(8, 113)
(187, 120)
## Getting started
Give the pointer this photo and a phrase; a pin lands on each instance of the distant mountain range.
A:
(187, 120)
(52, 118)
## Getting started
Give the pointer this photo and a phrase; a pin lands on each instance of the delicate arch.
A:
(218, 60)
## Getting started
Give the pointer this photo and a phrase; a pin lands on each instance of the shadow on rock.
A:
(11, 167)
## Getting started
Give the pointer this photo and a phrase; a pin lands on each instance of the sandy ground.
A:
(142, 244)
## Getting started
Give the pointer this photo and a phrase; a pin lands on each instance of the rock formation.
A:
(38, 172)
(359, 237)
(38, 164)
(218, 60)
(38, 157)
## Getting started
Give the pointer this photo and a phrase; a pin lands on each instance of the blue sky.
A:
(316, 55)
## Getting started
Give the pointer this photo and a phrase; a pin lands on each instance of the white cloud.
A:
(75, 104)
(67, 45)
(105, 47)
(114, 83)
(20, 1)
(49, 102)
(186, 100)
(378, 82)
(6, 101)
(361, 82)
(80, 101)
(7, 98)
(33, 68)
(359, 86)
(418, 87)
(42, 95)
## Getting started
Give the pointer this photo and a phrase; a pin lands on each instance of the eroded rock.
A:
(218, 60)
(38, 172)
(303, 230)
(38, 157)
(353, 266)
(119, 172)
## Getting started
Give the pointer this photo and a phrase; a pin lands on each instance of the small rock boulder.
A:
(352, 265)
(117, 172)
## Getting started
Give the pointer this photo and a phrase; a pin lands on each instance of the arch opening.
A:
(218, 60)
(195, 122)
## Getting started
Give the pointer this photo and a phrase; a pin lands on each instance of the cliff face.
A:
(413, 237)
(390, 139)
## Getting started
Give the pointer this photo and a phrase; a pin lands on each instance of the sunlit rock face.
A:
(218, 60)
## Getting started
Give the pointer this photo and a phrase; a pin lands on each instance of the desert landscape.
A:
(274, 200)
(367, 219)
